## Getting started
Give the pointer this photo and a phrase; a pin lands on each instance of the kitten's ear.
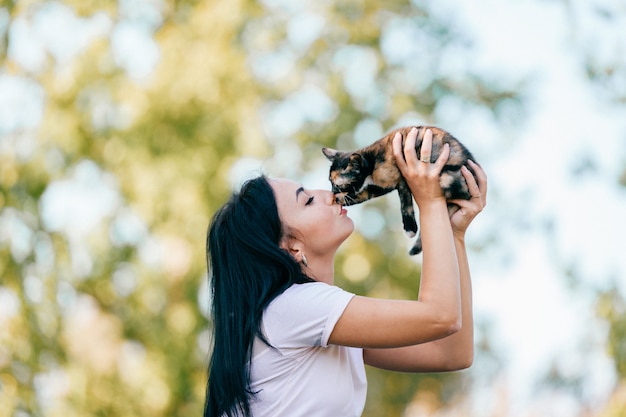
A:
(330, 153)
(356, 159)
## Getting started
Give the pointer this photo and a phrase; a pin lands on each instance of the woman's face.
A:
(321, 225)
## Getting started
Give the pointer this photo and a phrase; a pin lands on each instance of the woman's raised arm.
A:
(455, 351)
(376, 323)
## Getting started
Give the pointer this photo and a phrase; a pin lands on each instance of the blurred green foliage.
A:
(108, 317)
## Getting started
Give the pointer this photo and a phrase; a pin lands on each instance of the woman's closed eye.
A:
(309, 201)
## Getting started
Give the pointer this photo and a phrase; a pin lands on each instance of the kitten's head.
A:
(346, 174)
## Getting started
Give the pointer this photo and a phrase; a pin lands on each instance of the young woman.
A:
(287, 342)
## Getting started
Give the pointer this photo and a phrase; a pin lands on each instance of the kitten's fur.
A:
(371, 172)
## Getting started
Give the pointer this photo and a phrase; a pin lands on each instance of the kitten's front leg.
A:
(406, 208)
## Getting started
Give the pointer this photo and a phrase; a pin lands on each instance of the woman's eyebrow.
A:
(298, 191)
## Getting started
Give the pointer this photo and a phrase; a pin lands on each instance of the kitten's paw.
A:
(417, 247)
(410, 233)
(415, 251)
(410, 225)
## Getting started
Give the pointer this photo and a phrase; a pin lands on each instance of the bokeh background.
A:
(125, 124)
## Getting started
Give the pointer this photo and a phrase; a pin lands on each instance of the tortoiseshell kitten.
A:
(371, 172)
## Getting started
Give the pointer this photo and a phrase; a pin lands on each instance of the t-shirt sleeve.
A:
(304, 315)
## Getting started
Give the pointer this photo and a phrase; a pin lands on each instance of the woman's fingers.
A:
(427, 147)
(397, 152)
(410, 155)
(472, 185)
(481, 179)
(407, 158)
(443, 158)
(478, 197)
(426, 153)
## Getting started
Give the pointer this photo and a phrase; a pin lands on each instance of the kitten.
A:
(371, 172)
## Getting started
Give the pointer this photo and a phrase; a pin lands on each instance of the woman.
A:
(287, 342)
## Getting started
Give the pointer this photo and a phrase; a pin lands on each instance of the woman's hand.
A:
(461, 219)
(421, 176)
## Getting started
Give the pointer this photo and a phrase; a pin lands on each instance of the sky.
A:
(537, 316)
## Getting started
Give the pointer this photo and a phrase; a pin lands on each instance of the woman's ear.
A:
(297, 254)
(294, 247)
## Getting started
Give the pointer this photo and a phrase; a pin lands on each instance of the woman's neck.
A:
(321, 269)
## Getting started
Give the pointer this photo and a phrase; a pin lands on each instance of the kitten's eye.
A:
(309, 201)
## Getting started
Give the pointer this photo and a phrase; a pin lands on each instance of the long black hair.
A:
(247, 270)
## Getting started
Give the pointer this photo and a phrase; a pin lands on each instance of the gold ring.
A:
(477, 196)
(425, 159)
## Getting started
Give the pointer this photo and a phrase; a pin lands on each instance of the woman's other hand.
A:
(462, 218)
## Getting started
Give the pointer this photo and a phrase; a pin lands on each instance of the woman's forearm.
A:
(440, 283)
(460, 345)
(466, 334)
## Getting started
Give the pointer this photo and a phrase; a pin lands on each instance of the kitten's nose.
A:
(330, 197)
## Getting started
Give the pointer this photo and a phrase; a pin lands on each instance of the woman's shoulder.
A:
(311, 297)
(313, 291)
(304, 315)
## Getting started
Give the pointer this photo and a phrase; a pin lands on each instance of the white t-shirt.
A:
(301, 375)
